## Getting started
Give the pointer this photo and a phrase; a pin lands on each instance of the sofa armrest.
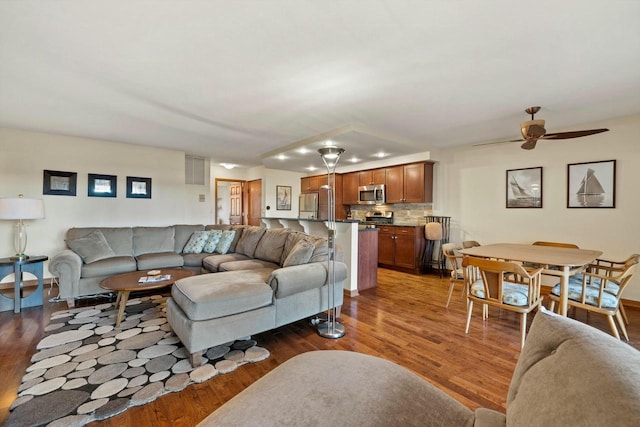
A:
(67, 266)
(291, 280)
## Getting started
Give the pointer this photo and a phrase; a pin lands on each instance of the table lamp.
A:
(20, 208)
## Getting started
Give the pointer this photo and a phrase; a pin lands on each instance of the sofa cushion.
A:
(238, 229)
(292, 238)
(225, 242)
(92, 247)
(212, 241)
(321, 249)
(196, 242)
(194, 260)
(573, 374)
(120, 239)
(109, 267)
(210, 296)
(271, 245)
(159, 260)
(249, 240)
(148, 240)
(249, 264)
(212, 262)
(300, 254)
(182, 233)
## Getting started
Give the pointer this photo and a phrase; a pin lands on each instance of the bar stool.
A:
(433, 234)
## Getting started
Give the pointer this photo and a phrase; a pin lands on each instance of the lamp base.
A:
(331, 330)
(19, 257)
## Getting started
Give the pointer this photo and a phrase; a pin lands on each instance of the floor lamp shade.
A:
(19, 209)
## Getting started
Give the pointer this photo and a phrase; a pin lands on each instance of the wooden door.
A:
(395, 184)
(235, 203)
(350, 188)
(254, 196)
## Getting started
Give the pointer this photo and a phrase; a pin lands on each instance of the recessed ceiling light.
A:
(311, 168)
(228, 165)
(354, 159)
(303, 150)
(329, 143)
(281, 157)
(380, 154)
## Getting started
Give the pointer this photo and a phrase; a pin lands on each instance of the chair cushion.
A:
(575, 294)
(212, 241)
(92, 247)
(512, 293)
(196, 242)
(226, 239)
(610, 287)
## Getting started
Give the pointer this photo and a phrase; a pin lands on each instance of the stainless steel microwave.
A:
(371, 194)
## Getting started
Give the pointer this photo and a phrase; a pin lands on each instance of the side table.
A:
(31, 265)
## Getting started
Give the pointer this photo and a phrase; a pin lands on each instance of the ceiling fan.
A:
(533, 130)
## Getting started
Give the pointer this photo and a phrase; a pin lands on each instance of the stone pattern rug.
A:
(87, 370)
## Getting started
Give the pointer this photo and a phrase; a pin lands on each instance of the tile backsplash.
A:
(403, 213)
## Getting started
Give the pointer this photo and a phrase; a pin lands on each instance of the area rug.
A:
(87, 370)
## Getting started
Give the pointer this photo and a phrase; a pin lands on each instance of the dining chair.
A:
(470, 244)
(502, 284)
(453, 261)
(600, 291)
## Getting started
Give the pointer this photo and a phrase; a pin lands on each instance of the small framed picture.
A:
(138, 188)
(283, 197)
(102, 185)
(524, 188)
(591, 184)
(57, 183)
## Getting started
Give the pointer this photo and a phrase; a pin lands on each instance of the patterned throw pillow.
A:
(212, 242)
(196, 242)
(225, 241)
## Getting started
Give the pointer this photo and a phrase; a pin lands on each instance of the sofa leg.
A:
(71, 302)
(196, 359)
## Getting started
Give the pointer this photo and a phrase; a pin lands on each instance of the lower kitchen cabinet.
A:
(401, 247)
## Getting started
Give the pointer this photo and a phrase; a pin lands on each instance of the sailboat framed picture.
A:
(524, 188)
(591, 184)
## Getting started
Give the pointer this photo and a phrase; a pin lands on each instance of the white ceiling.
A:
(240, 81)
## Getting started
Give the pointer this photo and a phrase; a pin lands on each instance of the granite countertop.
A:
(309, 219)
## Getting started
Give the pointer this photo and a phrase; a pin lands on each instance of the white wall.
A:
(26, 154)
(273, 178)
(471, 189)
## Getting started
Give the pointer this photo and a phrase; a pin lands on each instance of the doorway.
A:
(229, 199)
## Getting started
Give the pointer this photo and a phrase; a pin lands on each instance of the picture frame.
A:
(591, 184)
(138, 188)
(283, 197)
(102, 185)
(524, 188)
(59, 183)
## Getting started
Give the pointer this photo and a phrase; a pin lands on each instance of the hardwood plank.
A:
(403, 319)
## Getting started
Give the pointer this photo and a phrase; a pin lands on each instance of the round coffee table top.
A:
(129, 281)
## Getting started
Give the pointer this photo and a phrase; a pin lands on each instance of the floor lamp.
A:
(331, 328)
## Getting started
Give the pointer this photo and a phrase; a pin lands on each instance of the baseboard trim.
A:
(631, 303)
(351, 293)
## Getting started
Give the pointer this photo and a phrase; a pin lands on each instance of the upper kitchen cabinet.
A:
(372, 177)
(412, 183)
(350, 182)
(309, 184)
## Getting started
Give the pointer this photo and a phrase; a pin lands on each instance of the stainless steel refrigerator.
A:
(308, 205)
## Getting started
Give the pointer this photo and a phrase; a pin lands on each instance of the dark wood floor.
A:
(403, 320)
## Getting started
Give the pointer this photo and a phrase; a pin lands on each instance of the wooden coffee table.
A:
(126, 283)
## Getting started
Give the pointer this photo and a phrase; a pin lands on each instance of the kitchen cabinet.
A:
(309, 184)
(412, 183)
(350, 182)
(401, 247)
(372, 177)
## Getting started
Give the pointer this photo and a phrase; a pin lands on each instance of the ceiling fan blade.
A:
(573, 134)
(497, 142)
(530, 144)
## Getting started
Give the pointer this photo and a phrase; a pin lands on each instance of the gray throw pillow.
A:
(299, 254)
(92, 247)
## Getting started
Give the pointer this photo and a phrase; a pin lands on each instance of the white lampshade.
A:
(21, 208)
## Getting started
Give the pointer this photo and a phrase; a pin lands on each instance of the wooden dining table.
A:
(561, 262)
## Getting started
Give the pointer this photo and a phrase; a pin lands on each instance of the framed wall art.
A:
(524, 188)
(138, 188)
(102, 185)
(58, 183)
(591, 184)
(283, 197)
